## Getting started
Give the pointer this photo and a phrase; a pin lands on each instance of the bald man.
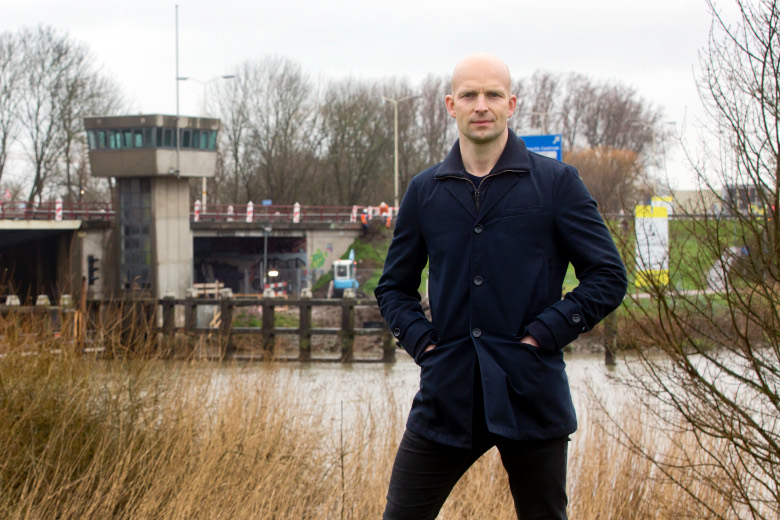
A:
(499, 226)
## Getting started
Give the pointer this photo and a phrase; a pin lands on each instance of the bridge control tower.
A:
(152, 158)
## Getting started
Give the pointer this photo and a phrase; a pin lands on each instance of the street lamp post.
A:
(204, 193)
(266, 230)
(395, 155)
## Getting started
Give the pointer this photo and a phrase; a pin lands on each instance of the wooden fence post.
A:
(168, 325)
(347, 329)
(226, 306)
(269, 322)
(388, 347)
(80, 319)
(304, 331)
(610, 339)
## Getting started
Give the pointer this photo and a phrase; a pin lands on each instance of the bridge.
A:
(47, 247)
(273, 214)
(155, 242)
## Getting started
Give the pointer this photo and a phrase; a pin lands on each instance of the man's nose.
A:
(481, 105)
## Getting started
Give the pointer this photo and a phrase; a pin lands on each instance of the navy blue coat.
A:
(498, 256)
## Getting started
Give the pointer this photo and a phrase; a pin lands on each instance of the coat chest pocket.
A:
(521, 211)
(526, 224)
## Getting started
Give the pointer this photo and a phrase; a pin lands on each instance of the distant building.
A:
(696, 202)
(151, 162)
(742, 198)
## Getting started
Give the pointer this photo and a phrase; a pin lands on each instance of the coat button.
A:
(575, 318)
(476, 333)
(396, 332)
(478, 228)
(477, 280)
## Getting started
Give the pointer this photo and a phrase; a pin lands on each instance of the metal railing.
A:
(23, 210)
(278, 213)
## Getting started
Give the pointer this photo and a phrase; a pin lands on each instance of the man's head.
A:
(481, 99)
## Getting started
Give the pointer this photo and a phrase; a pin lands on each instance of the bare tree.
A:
(60, 85)
(612, 176)
(239, 160)
(437, 130)
(85, 91)
(46, 56)
(10, 91)
(717, 384)
(286, 134)
(518, 120)
(357, 142)
(587, 113)
(281, 141)
(617, 118)
(543, 95)
(579, 93)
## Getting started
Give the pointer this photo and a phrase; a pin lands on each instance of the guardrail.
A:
(22, 210)
(281, 213)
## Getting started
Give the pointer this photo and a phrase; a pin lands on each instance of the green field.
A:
(693, 251)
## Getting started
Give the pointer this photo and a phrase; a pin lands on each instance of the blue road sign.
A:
(548, 145)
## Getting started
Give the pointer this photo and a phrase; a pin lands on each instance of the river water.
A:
(341, 390)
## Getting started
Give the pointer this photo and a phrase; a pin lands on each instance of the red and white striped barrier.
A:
(279, 289)
(353, 215)
(196, 218)
(231, 213)
(250, 211)
(58, 209)
(296, 213)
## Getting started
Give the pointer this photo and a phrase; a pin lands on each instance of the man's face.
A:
(480, 101)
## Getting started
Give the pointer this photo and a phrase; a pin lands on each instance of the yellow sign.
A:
(652, 245)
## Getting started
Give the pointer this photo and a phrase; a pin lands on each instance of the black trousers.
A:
(424, 472)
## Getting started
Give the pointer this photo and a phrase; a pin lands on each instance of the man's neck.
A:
(480, 158)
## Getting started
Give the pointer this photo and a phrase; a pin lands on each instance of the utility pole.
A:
(395, 155)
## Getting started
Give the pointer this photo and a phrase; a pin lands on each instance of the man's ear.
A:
(449, 101)
(512, 105)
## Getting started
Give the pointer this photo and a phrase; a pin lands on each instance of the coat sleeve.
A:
(397, 292)
(588, 245)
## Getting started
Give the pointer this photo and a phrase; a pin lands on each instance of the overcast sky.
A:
(651, 46)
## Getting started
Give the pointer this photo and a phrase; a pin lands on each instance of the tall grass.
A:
(88, 438)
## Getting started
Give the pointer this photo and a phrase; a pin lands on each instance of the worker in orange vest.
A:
(384, 210)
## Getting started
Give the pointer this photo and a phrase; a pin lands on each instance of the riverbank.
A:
(84, 438)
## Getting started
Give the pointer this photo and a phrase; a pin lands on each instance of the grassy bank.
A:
(83, 438)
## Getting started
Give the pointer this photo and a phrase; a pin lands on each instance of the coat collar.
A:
(513, 158)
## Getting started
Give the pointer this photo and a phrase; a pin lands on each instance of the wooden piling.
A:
(347, 332)
(304, 331)
(610, 339)
(269, 322)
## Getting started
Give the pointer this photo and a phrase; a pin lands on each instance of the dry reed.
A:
(88, 438)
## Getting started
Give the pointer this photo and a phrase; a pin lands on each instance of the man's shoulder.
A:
(425, 177)
(551, 166)
(552, 172)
